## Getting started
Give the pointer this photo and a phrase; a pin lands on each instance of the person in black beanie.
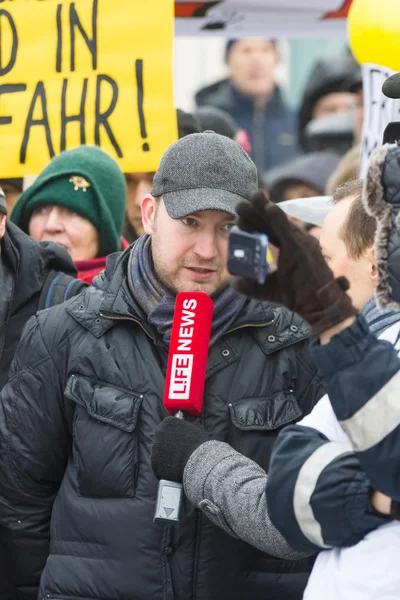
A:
(254, 100)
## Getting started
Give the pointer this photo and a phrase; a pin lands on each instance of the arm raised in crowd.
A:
(318, 494)
(359, 371)
(361, 375)
(34, 452)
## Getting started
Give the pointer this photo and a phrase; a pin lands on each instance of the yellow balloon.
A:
(374, 32)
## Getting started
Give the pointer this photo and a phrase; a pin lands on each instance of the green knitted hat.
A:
(87, 181)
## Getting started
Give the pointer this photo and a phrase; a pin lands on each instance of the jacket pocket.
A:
(105, 437)
(265, 414)
(256, 422)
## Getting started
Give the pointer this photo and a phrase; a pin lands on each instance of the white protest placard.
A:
(274, 18)
(378, 111)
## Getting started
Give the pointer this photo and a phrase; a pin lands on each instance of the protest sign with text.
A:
(379, 111)
(85, 72)
(275, 18)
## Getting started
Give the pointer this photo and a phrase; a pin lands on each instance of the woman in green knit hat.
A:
(78, 201)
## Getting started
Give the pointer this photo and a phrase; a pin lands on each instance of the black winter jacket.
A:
(77, 420)
(30, 264)
(272, 130)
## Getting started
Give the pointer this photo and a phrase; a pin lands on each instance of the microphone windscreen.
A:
(188, 353)
(391, 87)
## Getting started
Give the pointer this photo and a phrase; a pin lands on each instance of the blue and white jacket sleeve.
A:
(361, 375)
(318, 496)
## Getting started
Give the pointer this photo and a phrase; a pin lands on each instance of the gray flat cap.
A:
(204, 171)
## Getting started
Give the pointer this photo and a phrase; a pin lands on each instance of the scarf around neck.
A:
(158, 303)
(379, 319)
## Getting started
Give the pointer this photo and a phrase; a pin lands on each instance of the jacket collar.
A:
(266, 319)
(226, 96)
(273, 105)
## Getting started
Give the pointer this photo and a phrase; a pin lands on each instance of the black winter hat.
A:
(187, 123)
(215, 119)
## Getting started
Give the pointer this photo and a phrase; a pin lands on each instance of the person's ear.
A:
(149, 205)
(373, 271)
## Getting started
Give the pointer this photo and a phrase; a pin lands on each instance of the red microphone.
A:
(184, 384)
(188, 352)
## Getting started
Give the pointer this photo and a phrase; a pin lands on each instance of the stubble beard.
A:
(172, 282)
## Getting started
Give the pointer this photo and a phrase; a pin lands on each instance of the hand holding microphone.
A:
(174, 443)
(183, 393)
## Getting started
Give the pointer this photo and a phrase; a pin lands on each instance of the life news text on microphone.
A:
(184, 384)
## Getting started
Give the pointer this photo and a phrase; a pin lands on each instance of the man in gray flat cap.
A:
(77, 491)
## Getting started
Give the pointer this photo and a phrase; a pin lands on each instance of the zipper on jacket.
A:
(250, 325)
(114, 318)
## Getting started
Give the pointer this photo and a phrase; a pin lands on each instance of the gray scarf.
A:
(158, 303)
(379, 319)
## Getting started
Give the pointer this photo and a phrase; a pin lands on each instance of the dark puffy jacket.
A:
(79, 414)
(324, 479)
(272, 129)
(30, 263)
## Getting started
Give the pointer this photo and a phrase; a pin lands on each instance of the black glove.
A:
(303, 281)
(175, 441)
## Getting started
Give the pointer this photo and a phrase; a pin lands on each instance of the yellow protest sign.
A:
(85, 72)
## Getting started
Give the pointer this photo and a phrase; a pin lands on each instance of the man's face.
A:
(251, 65)
(11, 193)
(359, 272)
(189, 254)
(334, 103)
(138, 185)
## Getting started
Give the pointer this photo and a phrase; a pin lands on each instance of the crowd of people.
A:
(290, 474)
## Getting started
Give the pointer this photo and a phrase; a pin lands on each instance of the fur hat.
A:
(381, 199)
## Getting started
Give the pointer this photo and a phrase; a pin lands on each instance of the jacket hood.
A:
(313, 169)
(32, 262)
(327, 76)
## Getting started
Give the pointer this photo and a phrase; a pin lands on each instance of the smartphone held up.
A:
(247, 255)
